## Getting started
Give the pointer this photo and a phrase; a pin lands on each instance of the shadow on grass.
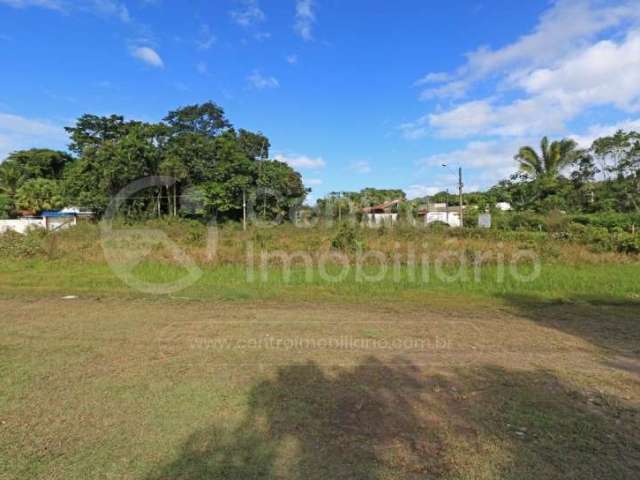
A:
(611, 324)
(377, 421)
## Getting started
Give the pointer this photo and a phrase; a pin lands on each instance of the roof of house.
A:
(56, 214)
(382, 207)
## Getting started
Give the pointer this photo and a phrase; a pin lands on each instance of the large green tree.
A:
(205, 119)
(619, 157)
(196, 146)
(103, 171)
(92, 131)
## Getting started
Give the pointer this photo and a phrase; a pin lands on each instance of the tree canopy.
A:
(196, 146)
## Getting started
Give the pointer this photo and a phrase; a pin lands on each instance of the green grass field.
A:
(556, 282)
(445, 376)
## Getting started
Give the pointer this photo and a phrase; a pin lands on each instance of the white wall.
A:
(377, 219)
(450, 218)
(21, 225)
(59, 223)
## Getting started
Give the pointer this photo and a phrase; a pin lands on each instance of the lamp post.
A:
(244, 210)
(460, 186)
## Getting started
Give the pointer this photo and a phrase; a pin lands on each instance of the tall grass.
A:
(321, 263)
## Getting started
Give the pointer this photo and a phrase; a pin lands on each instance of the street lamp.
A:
(460, 185)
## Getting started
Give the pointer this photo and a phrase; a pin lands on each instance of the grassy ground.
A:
(140, 389)
(555, 282)
(459, 374)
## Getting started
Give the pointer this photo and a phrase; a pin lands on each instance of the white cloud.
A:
(301, 161)
(567, 27)
(436, 77)
(110, 8)
(292, 59)
(206, 39)
(416, 129)
(259, 81)
(418, 191)
(455, 89)
(481, 117)
(361, 167)
(249, 13)
(479, 154)
(50, 4)
(107, 8)
(305, 18)
(17, 132)
(485, 161)
(593, 132)
(604, 74)
(148, 55)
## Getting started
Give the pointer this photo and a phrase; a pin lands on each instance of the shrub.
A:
(609, 220)
(16, 245)
(628, 243)
(438, 226)
(519, 221)
(557, 222)
(346, 238)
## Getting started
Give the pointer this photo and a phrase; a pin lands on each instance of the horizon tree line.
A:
(196, 145)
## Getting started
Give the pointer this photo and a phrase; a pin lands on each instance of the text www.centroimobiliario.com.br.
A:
(343, 342)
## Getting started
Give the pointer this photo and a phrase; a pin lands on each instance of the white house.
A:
(383, 214)
(504, 206)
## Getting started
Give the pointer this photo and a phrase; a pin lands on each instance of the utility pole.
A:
(263, 157)
(244, 210)
(460, 185)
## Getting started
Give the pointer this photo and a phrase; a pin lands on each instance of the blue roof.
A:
(52, 213)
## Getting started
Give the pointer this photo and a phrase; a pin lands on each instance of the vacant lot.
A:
(144, 389)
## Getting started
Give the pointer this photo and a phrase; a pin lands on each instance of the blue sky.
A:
(352, 93)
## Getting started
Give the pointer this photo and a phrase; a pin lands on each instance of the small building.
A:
(57, 220)
(384, 214)
(451, 218)
(441, 213)
(504, 206)
(80, 212)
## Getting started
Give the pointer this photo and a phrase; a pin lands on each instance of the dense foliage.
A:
(212, 165)
(602, 179)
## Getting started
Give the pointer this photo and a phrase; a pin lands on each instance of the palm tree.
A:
(39, 194)
(10, 178)
(555, 156)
